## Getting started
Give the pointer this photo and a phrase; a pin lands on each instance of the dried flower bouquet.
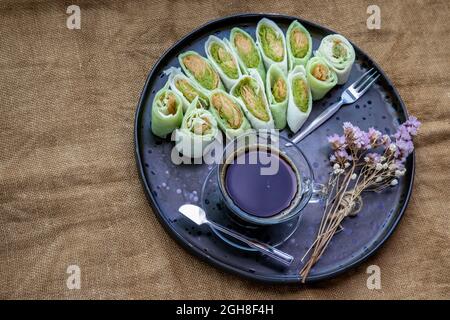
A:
(362, 161)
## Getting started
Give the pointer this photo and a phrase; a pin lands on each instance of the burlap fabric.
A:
(69, 189)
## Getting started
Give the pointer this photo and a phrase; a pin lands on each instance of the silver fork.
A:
(350, 95)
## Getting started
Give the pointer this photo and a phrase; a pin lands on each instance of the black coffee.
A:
(257, 194)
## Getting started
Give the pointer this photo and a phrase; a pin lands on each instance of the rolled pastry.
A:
(298, 44)
(250, 93)
(277, 95)
(270, 40)
(167, 112)
(200, 70)
(338, 54)
(198, 131)
(300, 99)
(320, 77)
(248, 54)
(187, 89)
(228, 113)
(224, 60)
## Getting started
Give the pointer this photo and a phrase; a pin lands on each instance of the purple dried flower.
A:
(412, 125)
(348, 128)
(402, 133)
(385, 140)
(372, 158)
(399, 164)
(336, 141)
(350, 132)
(374, 136)
(403, 139)
(404, 148)
(355, 138)
(363, 140)
(342, 156)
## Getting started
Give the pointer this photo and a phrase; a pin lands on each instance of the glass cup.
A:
(270, 141)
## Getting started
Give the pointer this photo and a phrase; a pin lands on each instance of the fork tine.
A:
(363, 90)
(358, 81)
(361, 86)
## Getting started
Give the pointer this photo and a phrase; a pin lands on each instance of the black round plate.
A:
(168, 185)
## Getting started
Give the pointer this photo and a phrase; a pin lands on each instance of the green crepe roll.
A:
(270, 40)
(298, 44)
(200, 70)
(300, 98)
(167, 112)
(224, 59)
(250, 93)
(277, 95)
(198, 131)
(228, 113)
(187, 89)
(247, 52)
(339, 54)
(320, 77)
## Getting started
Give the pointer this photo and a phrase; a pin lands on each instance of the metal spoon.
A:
(198, 215)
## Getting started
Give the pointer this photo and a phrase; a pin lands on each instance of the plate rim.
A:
(201, 254)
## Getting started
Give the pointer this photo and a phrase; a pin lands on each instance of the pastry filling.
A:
(279, 89)
(246, 50)
(339, 51)
(199, 124)
(201, 71)
(320, 72)
(228, 110)
(299, 43)
(167, 103)
(189, 92)
(253, 99)
(300, 93)
(225, 60)
(272, 43)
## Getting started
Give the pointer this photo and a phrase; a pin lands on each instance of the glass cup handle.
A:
(319, 193)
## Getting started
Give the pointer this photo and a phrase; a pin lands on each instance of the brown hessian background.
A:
(69, 188)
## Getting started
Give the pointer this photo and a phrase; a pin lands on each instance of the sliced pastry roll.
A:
(270, 40)
(167, 112)
(277, 91)
(248, 54)
(228, 113)
(187, 89)
(198, 130)
(300, 98)
(200, 70)
(321, 77)
(224, 60)
(338, 54)
(298, 44)
(250, 92)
